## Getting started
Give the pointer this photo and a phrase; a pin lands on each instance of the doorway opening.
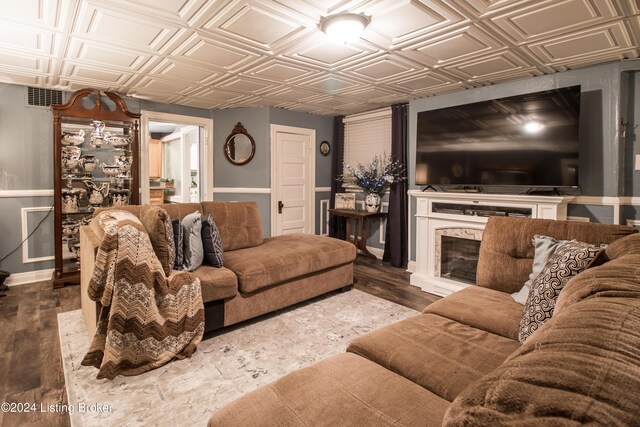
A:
(176, 158)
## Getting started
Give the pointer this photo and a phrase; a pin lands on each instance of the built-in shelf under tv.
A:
(528, 140)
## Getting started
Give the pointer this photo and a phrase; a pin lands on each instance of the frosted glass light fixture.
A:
(344, 27)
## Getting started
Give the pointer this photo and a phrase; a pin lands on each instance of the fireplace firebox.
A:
(459, 259)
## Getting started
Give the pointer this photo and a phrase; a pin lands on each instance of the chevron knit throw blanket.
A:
(147, 319)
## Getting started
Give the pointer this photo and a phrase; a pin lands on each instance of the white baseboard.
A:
(411, 266)
(28, 277)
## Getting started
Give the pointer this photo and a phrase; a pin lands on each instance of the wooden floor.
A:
(31, 365)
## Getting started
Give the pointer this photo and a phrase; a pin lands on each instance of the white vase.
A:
(372, 202)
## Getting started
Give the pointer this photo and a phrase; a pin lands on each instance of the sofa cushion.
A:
(239, 223)
(193, 251)
(569, 259)
(180, 210)
(211, 242)
(286, 257)
(439, 354)
(629, 245)
(216, 283)
(506, 254)
(344, 390)
(482, 308)
(617, 278)
(580, 368)
(158, 225)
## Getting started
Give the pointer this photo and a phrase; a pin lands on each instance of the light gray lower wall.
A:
(630, 213)
(26, 212)
(322, 213)
(595, 213)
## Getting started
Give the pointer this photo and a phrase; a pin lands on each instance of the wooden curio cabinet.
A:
(96, 164)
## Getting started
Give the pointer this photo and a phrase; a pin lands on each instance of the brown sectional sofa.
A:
(460, 363)
(260, 275)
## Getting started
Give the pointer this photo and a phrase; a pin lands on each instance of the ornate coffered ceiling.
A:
(232, 53)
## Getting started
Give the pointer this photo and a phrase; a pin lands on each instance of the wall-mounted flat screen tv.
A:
(525, 140)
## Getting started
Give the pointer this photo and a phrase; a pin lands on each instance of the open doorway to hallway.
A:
(176, 159)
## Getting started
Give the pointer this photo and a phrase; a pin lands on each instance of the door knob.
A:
(280, 206)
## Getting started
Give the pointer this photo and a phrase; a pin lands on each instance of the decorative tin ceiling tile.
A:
(238, 53)
(259, 25)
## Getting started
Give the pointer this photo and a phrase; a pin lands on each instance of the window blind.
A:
(367, 135)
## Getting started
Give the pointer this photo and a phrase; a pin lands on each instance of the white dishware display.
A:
(70, 198)
(72, 138)
(70, 160)
(116, 140)
(111, 170)
(96, 194)
(89, 163)
(98, 134)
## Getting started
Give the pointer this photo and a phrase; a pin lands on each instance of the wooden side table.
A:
(360, 233)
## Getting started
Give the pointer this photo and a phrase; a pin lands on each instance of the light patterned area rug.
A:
(226, 366)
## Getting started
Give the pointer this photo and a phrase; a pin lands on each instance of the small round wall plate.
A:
(325, 148)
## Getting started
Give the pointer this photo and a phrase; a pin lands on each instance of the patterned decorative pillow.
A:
(158, 225)
(193, 251)
(544, 247)
(211, 242)
(178, 243)
(569, 259)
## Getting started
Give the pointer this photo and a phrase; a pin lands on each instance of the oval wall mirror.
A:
(239, 147)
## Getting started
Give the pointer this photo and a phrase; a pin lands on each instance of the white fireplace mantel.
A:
(467, 212)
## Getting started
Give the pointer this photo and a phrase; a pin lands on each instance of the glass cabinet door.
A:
(95, 166)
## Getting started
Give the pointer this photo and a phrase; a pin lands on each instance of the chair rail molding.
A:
(242, 190)
(25, 193)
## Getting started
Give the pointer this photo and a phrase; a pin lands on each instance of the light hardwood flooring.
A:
(30, 358)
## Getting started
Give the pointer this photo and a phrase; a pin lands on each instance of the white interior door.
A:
(294, 182)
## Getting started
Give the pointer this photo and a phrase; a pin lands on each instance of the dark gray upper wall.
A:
(256, 173)
(26, 142)
(601, 159)
(323, 126)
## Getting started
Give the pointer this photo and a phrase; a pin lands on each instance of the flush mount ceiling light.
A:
(344, 27)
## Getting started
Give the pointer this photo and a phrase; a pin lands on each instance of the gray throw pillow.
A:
(544, 247)
(193, 251)
(569, 259)
(211, 242)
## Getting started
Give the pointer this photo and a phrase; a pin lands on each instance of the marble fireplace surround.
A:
(458, 232)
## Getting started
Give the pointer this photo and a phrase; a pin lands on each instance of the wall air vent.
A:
(39, 97)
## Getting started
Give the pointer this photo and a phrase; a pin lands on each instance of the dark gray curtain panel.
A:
(337, 226)
(395, 248)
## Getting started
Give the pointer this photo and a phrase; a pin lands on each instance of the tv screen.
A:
(525, 140)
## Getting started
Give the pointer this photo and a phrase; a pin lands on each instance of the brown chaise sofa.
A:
(460, 363)
(260, 275)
